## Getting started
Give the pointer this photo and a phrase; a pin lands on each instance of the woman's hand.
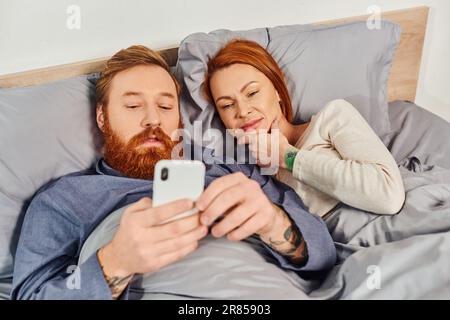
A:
(267, 147)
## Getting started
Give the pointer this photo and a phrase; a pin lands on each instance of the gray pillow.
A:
(46, 131)
(320, 63)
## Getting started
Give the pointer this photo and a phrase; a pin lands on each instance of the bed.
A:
(405, 256)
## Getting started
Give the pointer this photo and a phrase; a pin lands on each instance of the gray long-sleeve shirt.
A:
(64, 212)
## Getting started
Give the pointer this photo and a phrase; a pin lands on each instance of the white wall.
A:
(34, 34)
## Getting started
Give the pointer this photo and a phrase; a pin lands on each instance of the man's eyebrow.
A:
(132, 93)
(242, 90)
(139, 93)
(167, 94)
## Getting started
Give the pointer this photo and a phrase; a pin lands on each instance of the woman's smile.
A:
(252, 124)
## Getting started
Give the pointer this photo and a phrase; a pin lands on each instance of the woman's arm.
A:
(367, 177)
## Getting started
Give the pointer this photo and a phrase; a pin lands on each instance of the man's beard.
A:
(133, 159)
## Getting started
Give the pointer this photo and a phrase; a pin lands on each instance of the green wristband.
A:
(289, 158)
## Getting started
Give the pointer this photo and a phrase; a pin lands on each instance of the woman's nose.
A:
(244, 109)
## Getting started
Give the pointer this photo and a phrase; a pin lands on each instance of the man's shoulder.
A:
(56, 197)
(64, 181)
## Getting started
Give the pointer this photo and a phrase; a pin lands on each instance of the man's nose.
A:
(151, 118)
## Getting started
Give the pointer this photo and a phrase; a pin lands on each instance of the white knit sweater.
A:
(342, 159)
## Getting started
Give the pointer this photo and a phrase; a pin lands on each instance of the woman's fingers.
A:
(260, 147)
(275, 125)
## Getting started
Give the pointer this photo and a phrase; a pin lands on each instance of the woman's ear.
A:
(100, 117)
(278, 96)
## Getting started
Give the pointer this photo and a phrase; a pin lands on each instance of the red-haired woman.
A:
(336, 157)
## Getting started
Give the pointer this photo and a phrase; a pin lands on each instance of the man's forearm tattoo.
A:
(293, 246)
(117, 284)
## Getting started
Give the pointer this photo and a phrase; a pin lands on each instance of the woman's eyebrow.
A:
(246, 85)
(224, 98)
(242, 90)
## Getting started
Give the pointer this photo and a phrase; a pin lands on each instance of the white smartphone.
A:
(178, 179)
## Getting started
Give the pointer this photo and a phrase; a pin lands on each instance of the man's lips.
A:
(252, 124)
(152, 142)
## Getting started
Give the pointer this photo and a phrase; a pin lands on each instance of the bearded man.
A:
(137, 112)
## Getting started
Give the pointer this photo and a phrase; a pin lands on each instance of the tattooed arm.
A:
(117, 282)
(286, 239)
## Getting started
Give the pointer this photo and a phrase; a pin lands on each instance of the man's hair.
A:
(125, 59)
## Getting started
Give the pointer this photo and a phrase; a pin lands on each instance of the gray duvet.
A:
(406, 256)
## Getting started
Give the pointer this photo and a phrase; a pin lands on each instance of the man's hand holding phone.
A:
(243, 207)
(142, 244)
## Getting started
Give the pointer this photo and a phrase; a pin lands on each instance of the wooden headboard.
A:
(402, 81)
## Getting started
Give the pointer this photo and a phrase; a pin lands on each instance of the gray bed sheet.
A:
(5, 288)
(406, 256)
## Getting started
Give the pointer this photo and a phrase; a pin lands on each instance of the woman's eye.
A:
(165, 107)
(227, 106)
(251, 94)
(132, 107)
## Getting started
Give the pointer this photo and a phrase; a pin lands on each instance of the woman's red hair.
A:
(250, 53)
